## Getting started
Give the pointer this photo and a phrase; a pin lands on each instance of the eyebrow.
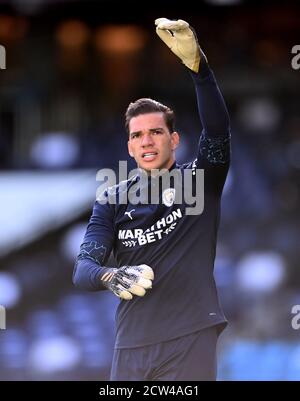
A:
(151, 130)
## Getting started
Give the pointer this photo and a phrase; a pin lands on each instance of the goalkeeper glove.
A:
(182, 40)
(128, 280)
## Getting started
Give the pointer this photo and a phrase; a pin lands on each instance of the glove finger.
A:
(166, 37)
(147, 272)
(144, 282)
(173, 25)
(124, 294)
(160, 20)
(137, 290)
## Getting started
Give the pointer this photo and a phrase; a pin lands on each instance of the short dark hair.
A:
(147, 105)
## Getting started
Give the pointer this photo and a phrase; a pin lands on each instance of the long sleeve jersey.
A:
(178, 246)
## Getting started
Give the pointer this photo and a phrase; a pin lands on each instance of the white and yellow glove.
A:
(128, 280)
(181, 39)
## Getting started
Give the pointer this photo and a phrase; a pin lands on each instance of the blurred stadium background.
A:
(71, 70)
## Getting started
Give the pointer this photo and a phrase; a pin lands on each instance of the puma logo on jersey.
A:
(129, 214)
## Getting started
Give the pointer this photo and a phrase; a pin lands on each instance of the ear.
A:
(129, 149)
(175, 139)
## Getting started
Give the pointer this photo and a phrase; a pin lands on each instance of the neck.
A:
(156, 172)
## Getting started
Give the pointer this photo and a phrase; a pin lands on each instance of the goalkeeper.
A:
(169, 318)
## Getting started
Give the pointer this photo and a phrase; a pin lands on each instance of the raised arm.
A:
(214, 144)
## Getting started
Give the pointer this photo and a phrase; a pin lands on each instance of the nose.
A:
(147, 140)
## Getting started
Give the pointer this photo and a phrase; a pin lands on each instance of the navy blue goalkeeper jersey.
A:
(179, 247)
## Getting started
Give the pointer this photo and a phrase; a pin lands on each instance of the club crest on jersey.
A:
(168, 196)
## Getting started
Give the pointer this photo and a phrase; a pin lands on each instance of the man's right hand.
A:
(128, 280)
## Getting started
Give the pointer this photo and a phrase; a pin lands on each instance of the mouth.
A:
(149, 156)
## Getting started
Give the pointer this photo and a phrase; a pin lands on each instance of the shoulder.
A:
(112, 193)
(122, 186)
(189, 165)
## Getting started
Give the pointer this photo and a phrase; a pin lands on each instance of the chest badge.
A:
(168, 196)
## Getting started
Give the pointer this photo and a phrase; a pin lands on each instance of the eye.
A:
(134, 136)
(157, 132)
